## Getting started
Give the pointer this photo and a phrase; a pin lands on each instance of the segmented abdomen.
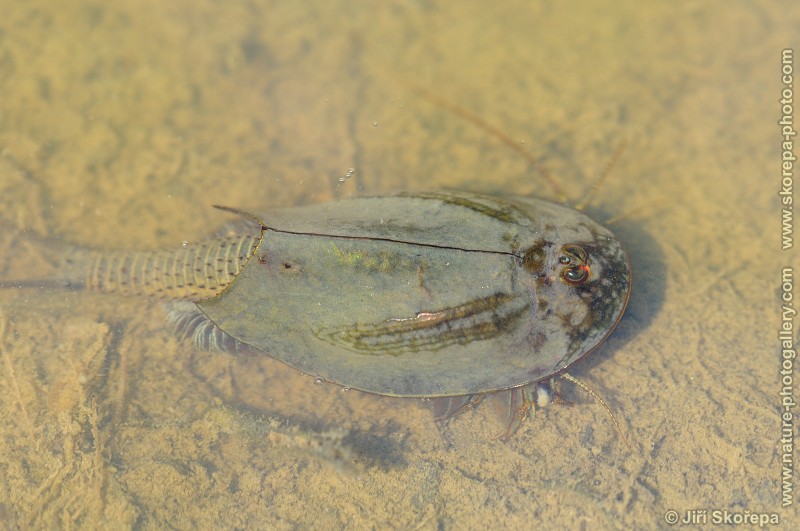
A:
(194, 271)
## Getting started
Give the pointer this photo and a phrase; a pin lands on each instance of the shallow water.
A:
(121, 124)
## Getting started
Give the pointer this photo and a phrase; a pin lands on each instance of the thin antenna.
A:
(583, 203)
(479, 122)
(631, 212)
(602, 402)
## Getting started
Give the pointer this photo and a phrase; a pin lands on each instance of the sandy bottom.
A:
(120, 126)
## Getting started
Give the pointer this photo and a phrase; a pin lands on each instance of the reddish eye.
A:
(578, 261)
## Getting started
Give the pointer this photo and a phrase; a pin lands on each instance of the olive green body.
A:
(437, 294)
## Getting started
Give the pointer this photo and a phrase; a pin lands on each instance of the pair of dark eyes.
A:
(576, 262)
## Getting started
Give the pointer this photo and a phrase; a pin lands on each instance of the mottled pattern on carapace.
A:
(593, 313)
(602, 296)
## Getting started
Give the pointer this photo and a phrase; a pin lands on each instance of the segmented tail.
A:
(194, 271)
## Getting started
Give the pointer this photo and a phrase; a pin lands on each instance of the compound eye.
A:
(575, 276)
(578, 261)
